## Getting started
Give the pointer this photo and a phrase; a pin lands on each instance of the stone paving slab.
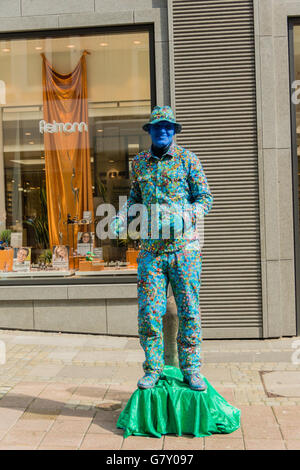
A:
(66, 391)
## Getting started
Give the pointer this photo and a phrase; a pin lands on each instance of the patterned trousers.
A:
(182, 269)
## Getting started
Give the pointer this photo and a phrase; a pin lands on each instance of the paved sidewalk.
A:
(66, 391)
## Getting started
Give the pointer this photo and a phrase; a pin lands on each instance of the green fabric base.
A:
(171, 407)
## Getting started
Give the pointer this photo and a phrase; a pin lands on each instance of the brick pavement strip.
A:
(293, 444)
(58, 438)
(101, 442)
(19, 438)
(264, 444)
(146, 443)
(183, 443)
(223, 444)
(51, 400)
(34, 424)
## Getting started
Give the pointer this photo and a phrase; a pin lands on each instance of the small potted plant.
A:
(5, 237)
(6, 253)
(40, 227)
(45, 257)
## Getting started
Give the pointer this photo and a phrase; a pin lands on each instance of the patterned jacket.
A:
(175, 181)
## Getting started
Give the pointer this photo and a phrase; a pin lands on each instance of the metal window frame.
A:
(291, 23)
(86, 31)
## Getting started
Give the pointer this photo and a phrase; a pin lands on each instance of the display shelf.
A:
(106, 271)
(14, 274)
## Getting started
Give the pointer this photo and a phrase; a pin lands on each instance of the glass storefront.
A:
(296, 86)
(294, 57)
(71, 115)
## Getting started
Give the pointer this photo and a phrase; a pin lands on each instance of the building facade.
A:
(78, 80)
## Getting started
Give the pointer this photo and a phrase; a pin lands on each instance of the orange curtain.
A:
(67, 153)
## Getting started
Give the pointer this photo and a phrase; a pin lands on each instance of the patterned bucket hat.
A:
(162, 113)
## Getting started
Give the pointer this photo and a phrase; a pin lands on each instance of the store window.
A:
(296, 94)
(294, 65)
(71, 115)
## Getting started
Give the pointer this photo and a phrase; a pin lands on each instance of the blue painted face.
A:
(162, 133)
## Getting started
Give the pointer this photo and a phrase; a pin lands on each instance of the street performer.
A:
(170, 183)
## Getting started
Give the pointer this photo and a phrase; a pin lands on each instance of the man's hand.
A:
(178, 219)
(117, 225)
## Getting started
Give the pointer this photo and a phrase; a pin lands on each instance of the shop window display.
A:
(71, 116)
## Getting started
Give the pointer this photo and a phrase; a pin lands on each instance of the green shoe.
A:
(149, 380)
(195, 381)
